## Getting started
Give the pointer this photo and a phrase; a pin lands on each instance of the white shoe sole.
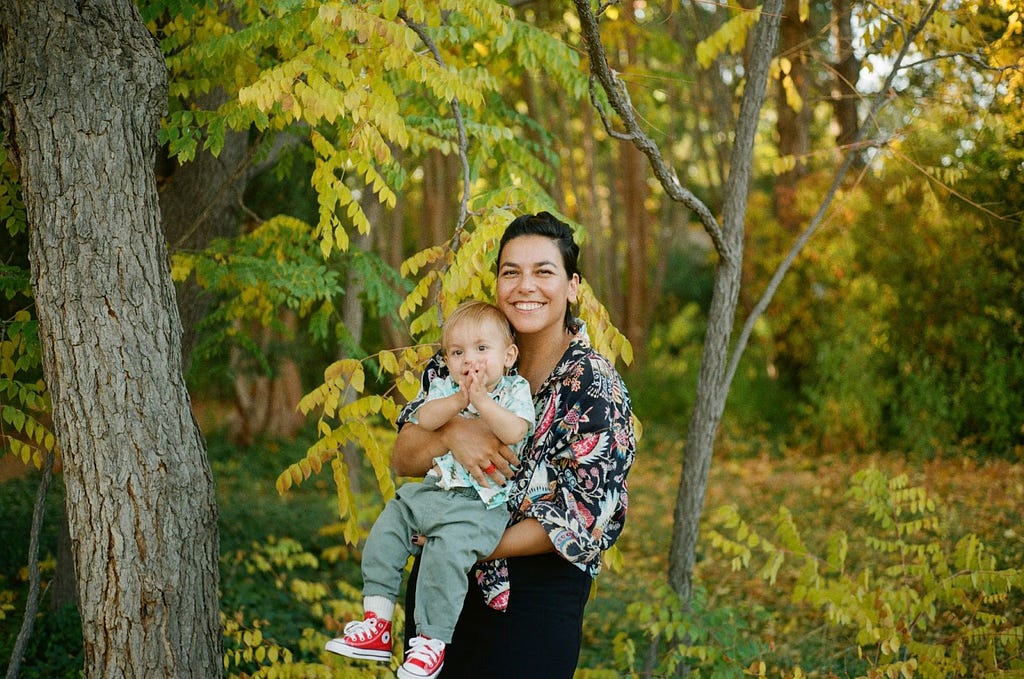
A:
(405, 674)
(336, 646)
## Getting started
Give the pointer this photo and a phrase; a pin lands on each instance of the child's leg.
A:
(387, 549)
(388, 546)
(464, 532)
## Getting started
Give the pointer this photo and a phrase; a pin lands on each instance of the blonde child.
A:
(461, 519)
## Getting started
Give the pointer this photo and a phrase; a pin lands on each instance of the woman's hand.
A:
(478, 450)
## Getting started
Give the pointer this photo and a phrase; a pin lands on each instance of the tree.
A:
(894, 33)
(82, 103)
(713, 383)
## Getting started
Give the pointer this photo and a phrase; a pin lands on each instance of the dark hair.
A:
(547, 225)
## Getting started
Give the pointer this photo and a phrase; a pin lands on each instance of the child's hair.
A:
(476, 312)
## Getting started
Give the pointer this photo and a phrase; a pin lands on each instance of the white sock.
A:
(381, 606)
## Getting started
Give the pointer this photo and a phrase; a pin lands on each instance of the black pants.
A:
(538, 637)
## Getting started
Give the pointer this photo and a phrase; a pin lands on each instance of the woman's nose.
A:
(526, 282)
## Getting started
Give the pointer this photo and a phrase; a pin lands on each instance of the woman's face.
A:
(533, 287)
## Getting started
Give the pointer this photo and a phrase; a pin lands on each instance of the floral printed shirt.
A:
(572, 473)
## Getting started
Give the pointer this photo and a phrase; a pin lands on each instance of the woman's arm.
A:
(525, 538)
(415, 449)
(470, 440)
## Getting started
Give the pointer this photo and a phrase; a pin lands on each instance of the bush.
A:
(904, 598)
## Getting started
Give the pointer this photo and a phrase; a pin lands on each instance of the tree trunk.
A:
(793, 126)
(265, 406)
(637, 301)
(714, 379)
(847, 70)
(85, 88)
(354, 318)
(199, 202)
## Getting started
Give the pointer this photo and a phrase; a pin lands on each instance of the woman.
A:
(523, 615)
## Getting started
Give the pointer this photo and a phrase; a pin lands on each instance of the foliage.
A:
(931, 324)
(24, 400)
(274, 268)
(715, 643)
(466, 272)
(352, 80)
(911, 601)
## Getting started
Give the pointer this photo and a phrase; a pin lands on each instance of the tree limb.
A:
(460, 225)
(32, 601)
(619, 100)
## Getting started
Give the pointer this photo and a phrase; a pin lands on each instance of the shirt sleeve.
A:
(435, 369)
(520, 400)
(579, 493)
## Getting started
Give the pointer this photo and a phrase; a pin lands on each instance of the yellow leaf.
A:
(408, 385)
(388, 362)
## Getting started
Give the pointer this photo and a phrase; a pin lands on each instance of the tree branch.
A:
(619, 100)
(459, 126)
(456, 239)
(32, 600)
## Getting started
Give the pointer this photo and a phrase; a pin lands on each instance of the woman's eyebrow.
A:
(535, 265)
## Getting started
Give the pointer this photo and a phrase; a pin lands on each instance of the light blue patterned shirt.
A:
(512, 393)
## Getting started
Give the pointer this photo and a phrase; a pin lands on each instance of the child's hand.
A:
(475, 387)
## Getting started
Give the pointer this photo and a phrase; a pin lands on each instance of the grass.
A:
(747, 618)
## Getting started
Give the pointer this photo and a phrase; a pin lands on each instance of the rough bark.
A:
(84, 91)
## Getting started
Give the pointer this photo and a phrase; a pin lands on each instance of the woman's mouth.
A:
(527, 306)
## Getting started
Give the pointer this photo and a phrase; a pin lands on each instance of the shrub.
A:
(907, 598)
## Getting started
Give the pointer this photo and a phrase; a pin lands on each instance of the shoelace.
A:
(361, 630)
(424, 652)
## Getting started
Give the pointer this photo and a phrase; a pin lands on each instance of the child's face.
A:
(481, 348)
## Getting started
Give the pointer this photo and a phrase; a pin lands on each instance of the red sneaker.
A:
(424, 660)
(366, 639)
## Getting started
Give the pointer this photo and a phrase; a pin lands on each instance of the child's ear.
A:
(511, 354)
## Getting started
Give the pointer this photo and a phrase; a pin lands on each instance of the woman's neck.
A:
(539, 354)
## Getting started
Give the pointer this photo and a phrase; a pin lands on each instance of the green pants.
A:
(460, 530)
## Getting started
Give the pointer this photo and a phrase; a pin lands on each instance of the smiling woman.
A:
(523, 613)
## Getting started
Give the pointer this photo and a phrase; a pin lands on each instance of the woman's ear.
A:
(574, 288)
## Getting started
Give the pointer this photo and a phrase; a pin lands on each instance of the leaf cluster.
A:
(24, 400)
(911, 601)
(367, 85)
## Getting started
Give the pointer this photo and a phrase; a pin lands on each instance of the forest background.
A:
(332, 179)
